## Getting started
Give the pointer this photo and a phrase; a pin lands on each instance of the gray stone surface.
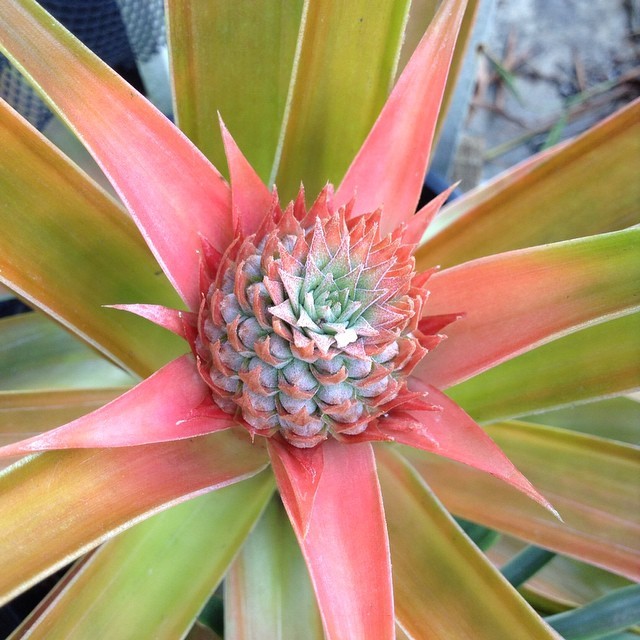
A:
(556, 51)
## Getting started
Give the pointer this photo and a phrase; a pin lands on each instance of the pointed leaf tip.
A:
(251, 200)
(173, 320)
(298, 472)
(390, 167)
(419, 223)
(457, 436)
(173, 404)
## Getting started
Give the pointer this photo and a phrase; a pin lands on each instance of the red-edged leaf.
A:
(172, 404)
(27, 413)
(346, 545)
(389, 169)
(597, 362)
(572, 190)
(298, 472)
(67, 248)
(152, 580)
(453, 434)
(516, 301)
(250, 198)
(418, 224)
(169, 187)
(173, 320)
(477, 197)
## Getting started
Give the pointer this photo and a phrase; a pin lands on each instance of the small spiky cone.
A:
(311, 326)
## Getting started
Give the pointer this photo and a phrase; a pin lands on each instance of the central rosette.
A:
(310, 326)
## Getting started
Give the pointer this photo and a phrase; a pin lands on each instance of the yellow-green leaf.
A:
(57, 505)
(234, 57)
(268, 593)
(592, 482)
(37, 354)
(26, 413)
(596, 362)
(613, 418)
(347, 57)
(444, 586)
(420, 16)
(152, 580)
(589, 186)
(68, 248)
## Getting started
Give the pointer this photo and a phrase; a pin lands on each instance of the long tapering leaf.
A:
(591, 481)
(420, 16)
(26, 413)
(37, 354)
(352, 580)
(268, 594)
(451, 433)
(234, 57)
(68, 248)
(389, 169)
(152, 580)
(171, 190)
(347, 55)
(588, 186)
(439, 574)
(515, 301)
(595, 362)
(60, 504)
(173, 404)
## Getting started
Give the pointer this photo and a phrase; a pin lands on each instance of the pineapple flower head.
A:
(310, 327)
